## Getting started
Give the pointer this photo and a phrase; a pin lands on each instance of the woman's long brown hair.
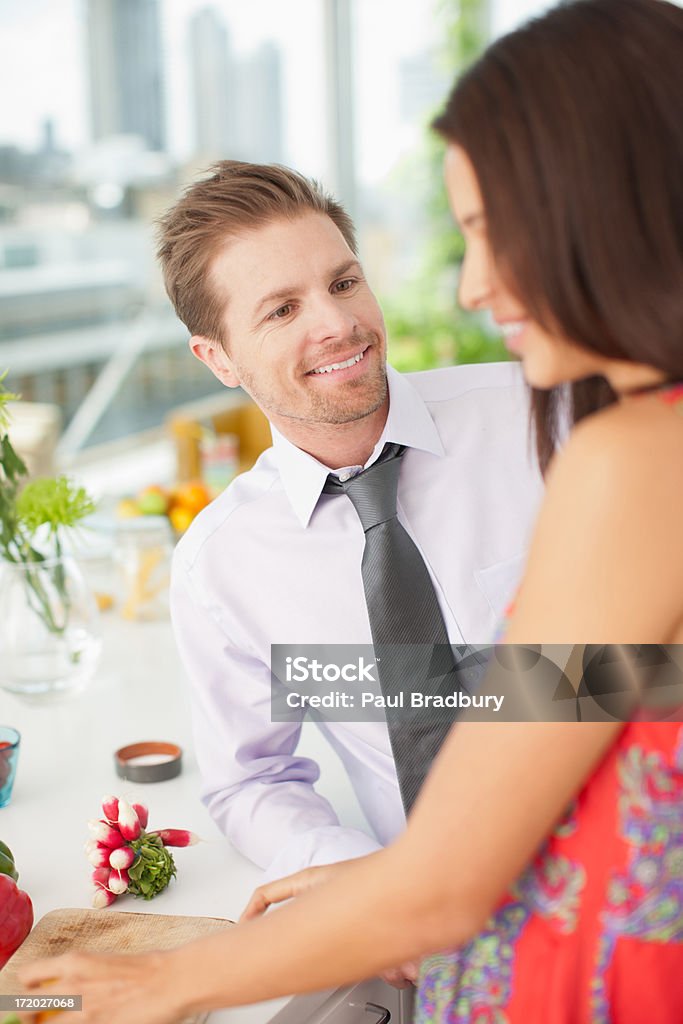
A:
(574, 126)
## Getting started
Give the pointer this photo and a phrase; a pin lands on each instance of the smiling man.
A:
(302, 334)
(262, 267)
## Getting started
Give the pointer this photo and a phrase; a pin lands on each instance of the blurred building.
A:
(237, 101)
(214, 86)
(340, 107)
(126, 71)
(260, 106)
(46, 167)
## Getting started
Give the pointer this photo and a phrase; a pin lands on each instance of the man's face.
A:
(304, 334)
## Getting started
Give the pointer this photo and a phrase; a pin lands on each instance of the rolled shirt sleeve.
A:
(258, 791)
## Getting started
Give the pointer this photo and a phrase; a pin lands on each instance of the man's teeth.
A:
(340, 366)
(511, 329)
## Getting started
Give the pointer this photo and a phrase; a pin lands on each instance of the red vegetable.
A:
(103, 898)
(175, 836)
(118, 882)
(5, 763)
(16, 917)
(110, 809)
(100, 876)
(122, 858)
(99, 857)
(129, 823)
(142, 813)
(106, 834)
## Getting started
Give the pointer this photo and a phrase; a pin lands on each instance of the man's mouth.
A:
(331, 367)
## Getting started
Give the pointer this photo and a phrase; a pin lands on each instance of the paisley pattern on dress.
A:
(474, 984)
(646, 900)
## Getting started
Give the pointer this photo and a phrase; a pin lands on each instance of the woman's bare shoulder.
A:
(609, 532)
(624, 445)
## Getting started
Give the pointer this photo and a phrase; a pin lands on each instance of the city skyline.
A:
(126, 79)
(236, 100)
(51, 82)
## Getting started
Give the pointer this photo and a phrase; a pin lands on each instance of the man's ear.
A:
(216, 358)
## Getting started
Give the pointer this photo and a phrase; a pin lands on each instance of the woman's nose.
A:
(474, 286)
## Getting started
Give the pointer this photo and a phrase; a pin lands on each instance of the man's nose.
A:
(330, 317)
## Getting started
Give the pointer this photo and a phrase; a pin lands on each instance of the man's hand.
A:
(287, 888)
(294, 885)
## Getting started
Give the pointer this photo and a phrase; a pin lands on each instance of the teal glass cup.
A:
(9, 755)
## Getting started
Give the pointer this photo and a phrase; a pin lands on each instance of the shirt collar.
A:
(409, 423)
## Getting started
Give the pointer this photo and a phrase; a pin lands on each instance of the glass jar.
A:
(143, 555)
(49, 628)
(220, 460)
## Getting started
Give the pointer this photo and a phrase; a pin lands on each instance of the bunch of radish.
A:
(125, 857)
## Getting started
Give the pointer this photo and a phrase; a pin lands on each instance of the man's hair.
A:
(574, 126)
(237, 197)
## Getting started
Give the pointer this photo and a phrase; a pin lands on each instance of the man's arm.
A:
(260, 794)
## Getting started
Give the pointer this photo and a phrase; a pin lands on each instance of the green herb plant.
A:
(153, 868)
(51, 505)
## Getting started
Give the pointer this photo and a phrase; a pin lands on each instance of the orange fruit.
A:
(193, 496)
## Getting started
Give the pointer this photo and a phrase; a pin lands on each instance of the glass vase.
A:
(49, 628)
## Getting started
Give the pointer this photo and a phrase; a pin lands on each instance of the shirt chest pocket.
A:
(499, 582)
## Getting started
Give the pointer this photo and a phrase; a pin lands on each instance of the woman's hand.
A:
(294, 885)
(115, 989)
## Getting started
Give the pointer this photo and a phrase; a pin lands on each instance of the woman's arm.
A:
(494, 793)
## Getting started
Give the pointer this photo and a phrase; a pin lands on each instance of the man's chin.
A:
(338, 418)
(326, 413)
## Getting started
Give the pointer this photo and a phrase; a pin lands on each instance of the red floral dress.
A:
(592, 932)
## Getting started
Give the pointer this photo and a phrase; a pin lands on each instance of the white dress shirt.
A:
(274, 561)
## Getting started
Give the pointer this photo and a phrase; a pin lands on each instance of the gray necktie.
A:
(409, 635)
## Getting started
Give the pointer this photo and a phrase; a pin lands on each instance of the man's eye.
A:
(281, 313)
(345, 285)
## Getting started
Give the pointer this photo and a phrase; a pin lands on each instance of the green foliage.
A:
(422, 338)
(53, 501)
(12, 471)
(425, 327)
(5, 397)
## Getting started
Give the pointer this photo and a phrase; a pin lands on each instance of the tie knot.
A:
(373, 492)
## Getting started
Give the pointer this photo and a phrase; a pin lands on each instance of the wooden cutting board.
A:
(106, 931)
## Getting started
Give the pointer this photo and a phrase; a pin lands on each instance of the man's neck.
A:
(336, 444)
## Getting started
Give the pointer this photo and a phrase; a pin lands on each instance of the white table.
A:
(66, 765)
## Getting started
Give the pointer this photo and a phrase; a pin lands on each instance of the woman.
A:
(565, 171)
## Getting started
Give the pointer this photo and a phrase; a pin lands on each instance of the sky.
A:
(42, 67)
